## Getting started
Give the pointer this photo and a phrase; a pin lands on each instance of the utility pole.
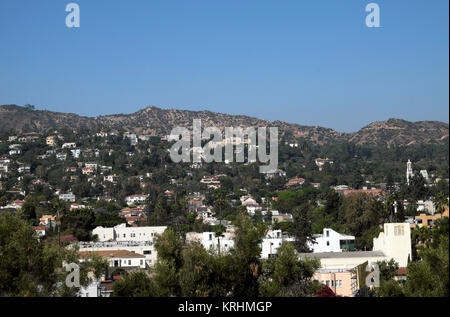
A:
(58, 223)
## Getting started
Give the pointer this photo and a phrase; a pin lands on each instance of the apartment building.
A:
(123, 233)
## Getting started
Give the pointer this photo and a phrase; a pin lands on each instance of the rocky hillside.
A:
(21, 119)
(153, 120)
(397, 131)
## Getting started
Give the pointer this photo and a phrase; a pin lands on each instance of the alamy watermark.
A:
(234, 143)
(73, 18)
(373, 18)
(73, 278)
(373, 276)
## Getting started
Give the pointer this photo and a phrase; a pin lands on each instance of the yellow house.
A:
(341, 282)
(424, 220)
(51, 140)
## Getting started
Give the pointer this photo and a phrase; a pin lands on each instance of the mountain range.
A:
(156, 121)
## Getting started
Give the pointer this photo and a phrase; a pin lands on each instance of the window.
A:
(328, 243)
(399, 231)
(129, 262)
(124, 235)
(328, 283)
(147, 252)
(328, 233)
(210, 236)
(142, 262)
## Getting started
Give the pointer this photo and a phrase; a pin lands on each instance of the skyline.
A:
(300, 62)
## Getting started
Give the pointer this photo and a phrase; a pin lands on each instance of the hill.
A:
(157, 121)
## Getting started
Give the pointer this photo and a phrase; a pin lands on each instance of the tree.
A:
(204, 274)
(429, 277)
(135, 284)
(79, 223)
(219, 233)
(388, 269)
(246, 264)
(440, 201)
(27, 267)
(28, 211)
(389, 288)
(159, 217)
(302, 227)
(170, 260)
(417, 189)
(287, 275)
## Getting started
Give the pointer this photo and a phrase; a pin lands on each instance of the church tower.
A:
(409, 171)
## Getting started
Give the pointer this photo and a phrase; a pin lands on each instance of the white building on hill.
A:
(123, 233)
(117, 258)
(147, 248)
(395, 242)
(332, 241)
(271, 242)
(210, 242)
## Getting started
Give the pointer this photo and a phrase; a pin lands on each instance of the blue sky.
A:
(307, 62)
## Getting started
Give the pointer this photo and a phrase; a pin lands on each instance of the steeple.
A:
(409, 171)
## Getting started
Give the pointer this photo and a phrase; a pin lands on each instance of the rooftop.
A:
(112, 254)
(353, 254)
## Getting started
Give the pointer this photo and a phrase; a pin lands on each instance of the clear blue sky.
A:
(310, 62)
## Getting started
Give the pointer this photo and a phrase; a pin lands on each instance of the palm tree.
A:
(219, 233)
(59, 206)
(440, 201)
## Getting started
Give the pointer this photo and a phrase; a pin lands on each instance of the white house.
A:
(210, 242)
(61, 156)
(91, 165)
(76, 153)
(425, 174)
(135, 199)
(15, 152)
(132, 137)
(393, 243)
(91, 290)
(123, 233)
(146, 248)
(70, 197)
(69, 146)
(332, 241)
(118, 258)
(271, 242)
(426, 206)
(24, 169)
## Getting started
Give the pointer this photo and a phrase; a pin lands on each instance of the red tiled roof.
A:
(401, 271)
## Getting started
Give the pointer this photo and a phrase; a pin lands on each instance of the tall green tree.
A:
(288, 276)
(302, 227)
